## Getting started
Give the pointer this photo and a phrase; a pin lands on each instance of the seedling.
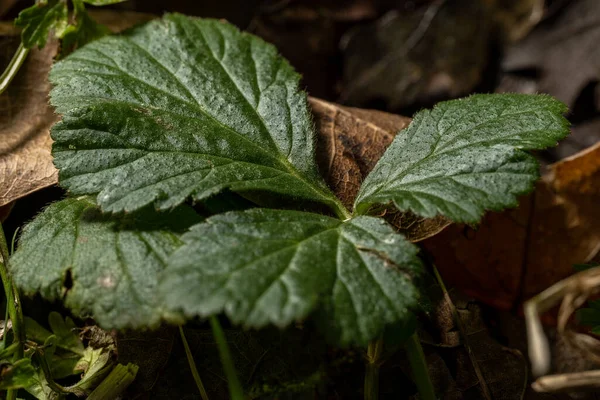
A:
(173, 113)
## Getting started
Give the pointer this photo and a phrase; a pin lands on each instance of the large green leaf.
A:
(38, 20)
(107, 268)
(274, 267)
(465, 156)
(180, 108)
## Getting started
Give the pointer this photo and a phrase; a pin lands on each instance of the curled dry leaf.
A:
(25, 116)
(516, 254)
(350, 142)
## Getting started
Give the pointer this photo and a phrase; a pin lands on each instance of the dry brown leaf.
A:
(516, 254)
(25, 116)
(464, 360)
(416, 56)
(350, 141)
(563, 50)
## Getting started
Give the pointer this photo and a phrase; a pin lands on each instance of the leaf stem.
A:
(235, 388)
(418, 365)
(192, 363)
(13, 67)
(340, 210)
(371, 386)
(13, 304)
(12, 297)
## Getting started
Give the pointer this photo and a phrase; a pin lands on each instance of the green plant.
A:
(183, 109)
(50, 18)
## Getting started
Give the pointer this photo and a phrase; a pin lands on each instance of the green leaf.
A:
(83, 31)
(266, 266)
(180, 108)
(17, 375)
(465, 156)
(95, 364)
(38, 20)
(64, 330)
(98, 266)
(40, 389)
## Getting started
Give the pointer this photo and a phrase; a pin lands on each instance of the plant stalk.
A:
(13, 304)
(371, 386)
(13, 67)
(418, 365)
(235, 388)
(192, 363)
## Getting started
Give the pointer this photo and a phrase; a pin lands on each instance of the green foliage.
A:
(82, 31)
(274, 267)
(17, 375)
(466, 156)
(46, 16)
(182, 108)
(38, 20)
(63, 330)
(99, 266)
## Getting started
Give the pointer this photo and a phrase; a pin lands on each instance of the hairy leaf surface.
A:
(180, 108)
(104, 267)
(38, 20)
(266, 266)
(465, 156)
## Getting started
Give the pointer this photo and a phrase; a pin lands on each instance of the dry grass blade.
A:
(571, 293)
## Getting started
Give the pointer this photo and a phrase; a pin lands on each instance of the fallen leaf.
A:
(350, 141)
(516, 254)
(25, 117)
(149, 350)
(417, 56)
(563, 50)
(516, 18)
(471, 365)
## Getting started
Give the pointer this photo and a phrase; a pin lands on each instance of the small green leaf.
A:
(40, 389)
(83, 31)
(63, 329)
(95, 364)
(38, 20)
(266, 266)
(180, 108)
(465, 156)
(17, 375)
(66, 332)
(104, 267)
